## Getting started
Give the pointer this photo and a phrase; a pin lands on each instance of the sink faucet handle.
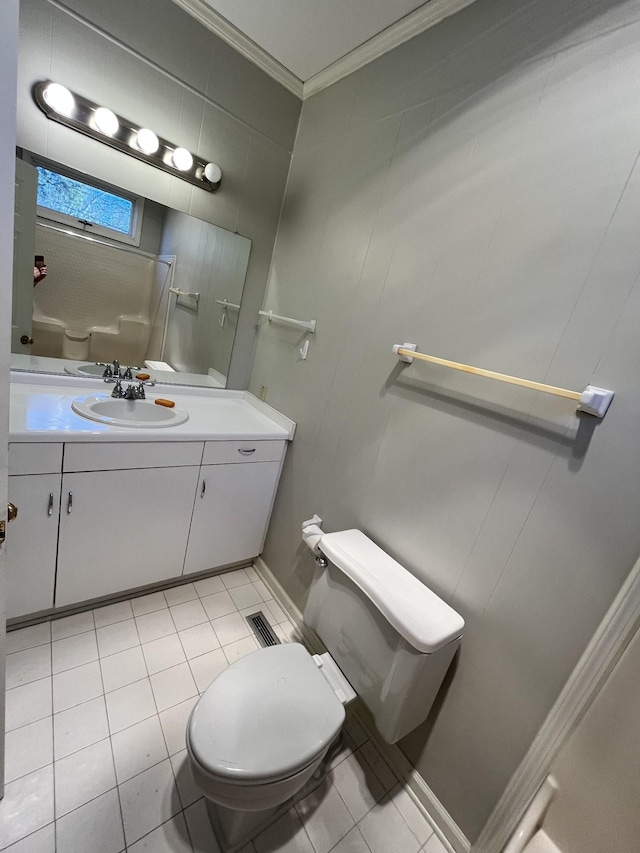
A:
(128, 374)
(117, 389)
(108, 372)
(140, 391)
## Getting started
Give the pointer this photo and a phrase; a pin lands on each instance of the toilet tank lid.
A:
(424, 620)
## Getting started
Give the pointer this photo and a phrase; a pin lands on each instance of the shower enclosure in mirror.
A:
(164, 297)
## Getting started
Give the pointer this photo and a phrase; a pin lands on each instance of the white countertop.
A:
(40, 410)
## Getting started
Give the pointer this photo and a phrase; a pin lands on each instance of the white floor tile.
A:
(79, 726)
(208, 586)
(123, 668)
(385, 830)
(148, 800)
(413, 816)
(41, 841)
(188, 614)
(245, 596)
(237, 650)
(112, 613)
(96, 826)
(174, 725)
(231, 628)
(286, 835)
(235, 578)
(28, 748)
(357, 784)
(163, 653)
(202, 836)
(148, 603)
(187, 788)
(353, 842)
(207, 667)
(79, 623)
(277, 613)
(173, 686)
(263, 591)
(74, 651)
(198, 640)
(434, 845)
(325, 817)
(218, 604)
(28, 665)
(179, 594)
(152, 626)
(76, 685)
(82, 776)
(379, 766)
(129, 705)
(252, 574)
(117, 637)
(171, 837)
(27, 638)
(28, 703)
(137, 748)
(27, 805)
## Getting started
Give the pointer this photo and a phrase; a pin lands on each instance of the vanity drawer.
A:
(33, 458)
(221, 452)
(134, 454)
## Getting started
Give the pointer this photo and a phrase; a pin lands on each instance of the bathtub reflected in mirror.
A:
(169, 304)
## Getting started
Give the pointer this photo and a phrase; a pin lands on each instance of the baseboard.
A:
(435, 813)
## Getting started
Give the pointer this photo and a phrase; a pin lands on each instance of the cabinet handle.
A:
(246, 451)
(70, 503)
(204, 488)
(50, 508)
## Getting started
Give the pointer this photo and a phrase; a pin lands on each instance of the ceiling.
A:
(309, 44)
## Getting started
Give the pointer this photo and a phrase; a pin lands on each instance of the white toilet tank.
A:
(391, 636)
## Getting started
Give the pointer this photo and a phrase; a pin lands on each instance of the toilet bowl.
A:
(262, 728)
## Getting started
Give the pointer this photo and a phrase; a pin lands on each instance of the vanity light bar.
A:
(102, 124)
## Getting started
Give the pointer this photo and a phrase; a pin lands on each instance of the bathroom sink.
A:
(130, 413)
(88, 369)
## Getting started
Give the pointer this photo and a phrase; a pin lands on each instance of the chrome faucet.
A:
(128, 374)
(116, 367)
(117, 389)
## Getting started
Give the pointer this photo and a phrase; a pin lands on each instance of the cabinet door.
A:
(122, 529)
(231, 514)
(31, 543)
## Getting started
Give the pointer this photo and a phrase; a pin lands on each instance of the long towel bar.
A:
(593, 400)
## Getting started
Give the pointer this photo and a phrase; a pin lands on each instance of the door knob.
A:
(25, 339)
(12, 514)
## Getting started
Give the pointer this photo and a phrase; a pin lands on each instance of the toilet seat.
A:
(265, 718)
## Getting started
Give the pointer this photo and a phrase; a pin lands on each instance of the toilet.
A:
(262, 728)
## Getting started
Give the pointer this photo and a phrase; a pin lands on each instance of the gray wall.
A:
(475, 191)
(152, 63)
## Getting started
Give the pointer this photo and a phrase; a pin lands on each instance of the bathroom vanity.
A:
(105, 509)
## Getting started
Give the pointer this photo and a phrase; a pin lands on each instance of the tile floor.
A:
(97, 705)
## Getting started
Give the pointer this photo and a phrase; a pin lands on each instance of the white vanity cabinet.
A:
(236, 490)
(124, 517)
(34, 487)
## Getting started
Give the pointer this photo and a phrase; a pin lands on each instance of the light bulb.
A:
(106, 121)
(213, 173)
(147, 141)
(182, 159)
(59, 99)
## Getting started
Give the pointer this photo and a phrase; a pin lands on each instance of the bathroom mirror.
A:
(168, 305)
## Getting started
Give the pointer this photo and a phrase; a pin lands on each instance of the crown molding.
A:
(428, 15)
(406, 28)
(204, 14)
